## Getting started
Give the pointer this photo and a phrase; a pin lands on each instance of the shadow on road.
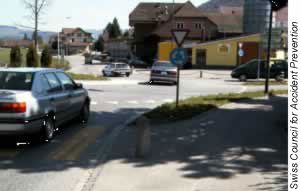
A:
(220, 144)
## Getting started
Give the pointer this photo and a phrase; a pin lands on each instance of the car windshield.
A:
(16, 80)
(163, 64)
(121, 65)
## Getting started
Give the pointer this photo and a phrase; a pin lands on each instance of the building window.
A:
(180, 25)
(79, 35)
(198, 25)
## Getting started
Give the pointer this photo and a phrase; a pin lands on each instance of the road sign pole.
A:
(178, 86)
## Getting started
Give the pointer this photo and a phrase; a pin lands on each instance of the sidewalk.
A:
(238, 147)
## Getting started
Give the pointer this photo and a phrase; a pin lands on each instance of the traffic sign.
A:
(241, 52)
(178, 56)
(180, 36)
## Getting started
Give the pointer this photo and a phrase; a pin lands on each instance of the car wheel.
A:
(243, 78)
(84, 114)
(104, 74)
(127, 74)
(279, 78)
(48, 130)
(46, 134)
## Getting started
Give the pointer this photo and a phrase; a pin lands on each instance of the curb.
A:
(90, 177)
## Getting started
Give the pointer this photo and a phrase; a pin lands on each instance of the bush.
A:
(46, 58)
(15, 57)
(32, 57)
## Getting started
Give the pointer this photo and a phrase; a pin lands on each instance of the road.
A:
(67, 162)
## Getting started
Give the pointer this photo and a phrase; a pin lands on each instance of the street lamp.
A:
(58, 41)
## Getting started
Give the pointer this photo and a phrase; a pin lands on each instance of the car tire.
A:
(243, 78)
(127, 74)
(48, 130)
(84, 114)
(104, 74)
(279, 78)
(46, 134)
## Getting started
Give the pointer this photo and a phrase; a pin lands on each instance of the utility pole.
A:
(268, 53)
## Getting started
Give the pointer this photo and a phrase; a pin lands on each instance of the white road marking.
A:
(243, 89)
(150, 101)
(93, 103)
(168, 100)
(133, 102)
(113, 102)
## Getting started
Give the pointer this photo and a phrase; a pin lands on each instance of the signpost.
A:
(179, 56)
(240, 52)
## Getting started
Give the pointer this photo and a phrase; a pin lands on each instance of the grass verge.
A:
(261, 83)
(85, 77)
(194, 106)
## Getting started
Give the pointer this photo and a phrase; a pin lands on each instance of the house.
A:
(223, 53)
(229, 20)
(72, 40)
(153, 23)
(13, 43)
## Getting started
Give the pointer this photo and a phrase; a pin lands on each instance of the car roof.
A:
(24, 69)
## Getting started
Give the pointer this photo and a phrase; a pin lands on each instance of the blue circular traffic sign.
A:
(241, 52)
(178, 56)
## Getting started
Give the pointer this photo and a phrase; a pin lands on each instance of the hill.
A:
(213, 5)
(15, 33)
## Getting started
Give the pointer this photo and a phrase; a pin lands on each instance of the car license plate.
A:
(164, 73)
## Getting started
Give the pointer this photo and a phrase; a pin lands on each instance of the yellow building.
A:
(165, 49)
(224, 53)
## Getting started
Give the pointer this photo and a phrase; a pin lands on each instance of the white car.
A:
(117, 69)
(163, 71)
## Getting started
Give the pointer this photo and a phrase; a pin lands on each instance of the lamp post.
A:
(58, 42)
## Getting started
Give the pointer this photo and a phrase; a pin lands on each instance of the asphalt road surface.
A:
(66, 163)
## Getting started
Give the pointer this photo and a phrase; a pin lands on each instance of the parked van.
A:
(250, 70)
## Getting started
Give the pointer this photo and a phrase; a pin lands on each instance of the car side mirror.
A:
(79, 86)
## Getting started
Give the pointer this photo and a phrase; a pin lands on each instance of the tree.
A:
(278, 4)
(25, 37)
(36, 9)
(15, 57)
(46, 58)
(39, 38)
(113, 29)
(99, 44)
(116, 28)
(32, 57)
(126, 34)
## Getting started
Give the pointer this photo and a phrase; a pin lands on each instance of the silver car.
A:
(117, 69)
(163, 71)
(36, 101)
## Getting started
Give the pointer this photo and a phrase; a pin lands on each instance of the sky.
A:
(87, 14)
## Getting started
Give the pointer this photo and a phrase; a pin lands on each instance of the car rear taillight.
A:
(16, 107)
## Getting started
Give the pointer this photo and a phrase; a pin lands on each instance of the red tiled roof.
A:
(12, 43)
(227, 22)
(151, 12)
(188, 10)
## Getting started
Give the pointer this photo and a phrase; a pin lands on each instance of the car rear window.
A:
(121, 65)
(16, 80)
(163, 64)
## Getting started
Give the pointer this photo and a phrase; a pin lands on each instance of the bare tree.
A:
(36, 9)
